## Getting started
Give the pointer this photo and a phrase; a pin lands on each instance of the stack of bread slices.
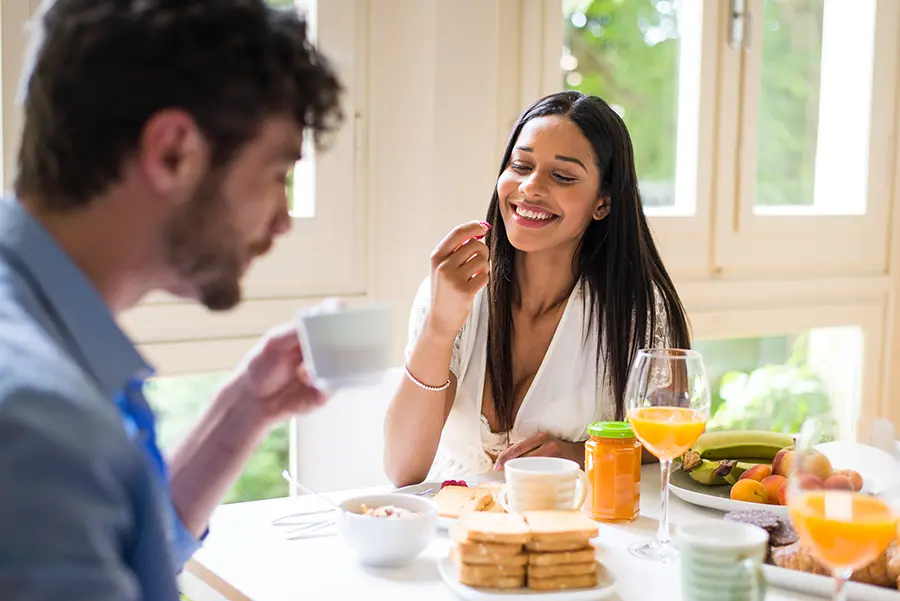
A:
(543, 550)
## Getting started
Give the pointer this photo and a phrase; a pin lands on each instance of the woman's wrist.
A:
(436, 332)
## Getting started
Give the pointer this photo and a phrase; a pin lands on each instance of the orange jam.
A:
(612, 461)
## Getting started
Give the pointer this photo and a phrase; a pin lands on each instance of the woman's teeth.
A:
(528, 214)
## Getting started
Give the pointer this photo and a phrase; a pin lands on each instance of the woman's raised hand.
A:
(459, 269)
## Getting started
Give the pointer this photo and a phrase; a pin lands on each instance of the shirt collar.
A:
(87, 324)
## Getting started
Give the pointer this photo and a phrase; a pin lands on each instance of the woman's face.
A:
(549, 191)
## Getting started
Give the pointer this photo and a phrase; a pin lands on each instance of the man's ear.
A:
(173, 153)
(601, 209)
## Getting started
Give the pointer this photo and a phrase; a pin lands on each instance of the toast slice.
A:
(560, 525)
(561, 557)
(565, 569)
(563, 545)
(491, 550)
(454, 501)
(557, 583)
(510, 561)
(476, 572)
(491, 527)
(504, 582)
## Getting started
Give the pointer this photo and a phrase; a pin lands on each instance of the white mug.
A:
(538, 483)
(722, 560)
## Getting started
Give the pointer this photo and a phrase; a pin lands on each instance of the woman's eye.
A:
(519, 167)
(565, 178)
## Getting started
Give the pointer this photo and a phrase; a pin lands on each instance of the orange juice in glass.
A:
(667, 403)
(846, 530)
(667, 432)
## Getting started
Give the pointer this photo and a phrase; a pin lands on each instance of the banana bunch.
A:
(719, 458)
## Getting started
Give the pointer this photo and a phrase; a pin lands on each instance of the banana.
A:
(731, 470)
(741, 444)
(700, 470)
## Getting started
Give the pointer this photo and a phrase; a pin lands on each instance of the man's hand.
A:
(542, 445)
(273, 377)
(270, 385)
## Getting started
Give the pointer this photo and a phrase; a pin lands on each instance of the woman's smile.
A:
(531, 216)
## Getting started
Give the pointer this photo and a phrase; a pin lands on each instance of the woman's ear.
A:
(601, 210)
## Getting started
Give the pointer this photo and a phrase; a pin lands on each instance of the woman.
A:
(575, 286)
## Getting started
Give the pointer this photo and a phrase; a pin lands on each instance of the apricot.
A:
(783, 462)
(773, 484)
(855, 479)
(817, 465)
(838, 482)
(808, 482)
(757, 472)
(750, 491)
(782, 494)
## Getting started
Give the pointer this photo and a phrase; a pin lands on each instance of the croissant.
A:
(892, 555)
(797, 557)
(884, 571)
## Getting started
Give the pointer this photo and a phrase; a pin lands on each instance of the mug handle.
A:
(753, 569)
(582, 490)
(502, 498)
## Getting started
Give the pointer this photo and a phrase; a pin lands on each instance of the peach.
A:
(750, 491)
(818, 465)
(838, 482)
(809, 482)
(757, 472)
(783, 461)
(773, 484)
(782, 494)
(855, 479)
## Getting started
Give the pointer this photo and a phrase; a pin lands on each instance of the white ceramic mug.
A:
(722, 561)
(537, 483)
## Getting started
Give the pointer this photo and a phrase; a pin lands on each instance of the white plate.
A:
(873, 465)
(606, 585)
(822, 586)
(435, 486)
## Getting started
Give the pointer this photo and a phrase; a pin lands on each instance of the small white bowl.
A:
(387, 541)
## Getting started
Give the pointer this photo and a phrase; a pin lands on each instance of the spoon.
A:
(291, 480)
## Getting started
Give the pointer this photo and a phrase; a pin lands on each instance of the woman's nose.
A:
(533, 186)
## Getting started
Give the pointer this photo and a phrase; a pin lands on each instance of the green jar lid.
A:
(611, 430)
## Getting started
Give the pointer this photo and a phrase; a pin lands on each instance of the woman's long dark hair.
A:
(616, 259)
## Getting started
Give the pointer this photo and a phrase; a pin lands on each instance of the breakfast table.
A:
(247, 558)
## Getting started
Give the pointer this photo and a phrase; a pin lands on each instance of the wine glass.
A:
(845, 520)
(667, 400)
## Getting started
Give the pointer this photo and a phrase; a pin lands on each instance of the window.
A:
(810, 118)
(178, 401)
(775, 382)
(644, 58)
(649, 60)
(759, 126)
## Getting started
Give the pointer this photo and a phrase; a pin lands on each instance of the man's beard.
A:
(201, 246)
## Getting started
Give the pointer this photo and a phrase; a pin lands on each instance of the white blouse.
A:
(567, 393)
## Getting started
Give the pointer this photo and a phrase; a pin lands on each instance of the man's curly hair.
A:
(101, 68)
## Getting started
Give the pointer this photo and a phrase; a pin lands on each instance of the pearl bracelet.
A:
(422, 385)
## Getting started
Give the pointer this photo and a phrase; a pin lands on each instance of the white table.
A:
(245, 558)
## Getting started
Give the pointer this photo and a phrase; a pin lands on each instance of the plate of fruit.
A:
(743, 469)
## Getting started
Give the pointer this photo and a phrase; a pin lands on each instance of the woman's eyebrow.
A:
(559, 157)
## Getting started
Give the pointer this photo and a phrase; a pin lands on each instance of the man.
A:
(157, 138)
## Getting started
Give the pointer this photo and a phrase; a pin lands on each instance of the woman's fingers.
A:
(456, 238)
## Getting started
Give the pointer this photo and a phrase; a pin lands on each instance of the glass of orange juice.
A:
(844, 521)
(667, 402)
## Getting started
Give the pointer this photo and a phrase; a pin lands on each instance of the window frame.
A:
(747, 244)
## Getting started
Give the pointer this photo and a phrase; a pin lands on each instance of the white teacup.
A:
(538, 483)
(722, 561)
